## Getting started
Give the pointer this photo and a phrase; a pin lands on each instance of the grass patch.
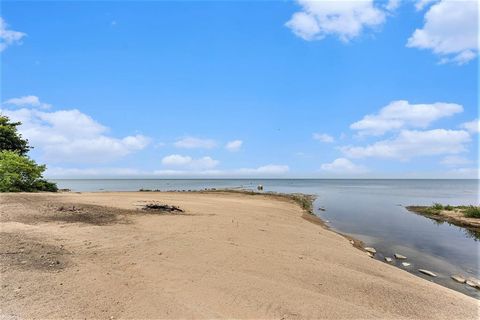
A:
(304, 201)
(472, 212)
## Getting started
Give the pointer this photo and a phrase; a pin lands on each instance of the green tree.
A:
(17, 171)
(20, 173)
(10, 139)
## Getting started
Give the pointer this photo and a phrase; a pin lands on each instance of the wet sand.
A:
(229, 255)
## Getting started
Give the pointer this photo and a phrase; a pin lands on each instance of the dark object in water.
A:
(162, 207)
(260, 187)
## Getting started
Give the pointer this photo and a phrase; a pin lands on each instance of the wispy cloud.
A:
(9, 37)
(323, 137)
(195, 143)
(234, 146)
(343, 166)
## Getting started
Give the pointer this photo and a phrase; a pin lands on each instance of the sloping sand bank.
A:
(227, 256)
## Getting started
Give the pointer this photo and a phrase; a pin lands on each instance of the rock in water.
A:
(458, 279)
(399, 256)
(405, 264)
(388, 259)
(473, 283)
(371, 250)
(427, 272)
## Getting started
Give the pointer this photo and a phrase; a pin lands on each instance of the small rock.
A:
(388, 259)
(473, 283)
(369, 254)
(371, 250)
(427, 272)
(24, 262)
(399, 256)
(458, 278)
(352, 242)
(406, 264)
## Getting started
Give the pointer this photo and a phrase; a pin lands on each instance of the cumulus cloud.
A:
(411, 143)
(176, 160)
(344, 19)
(8, 37)
(234, 145)
(28, 101)
(472, 126)
(323, 137)
(343, 165)
(195, 143)
(421, 4)
(450, 30)
(72, 136)
(401, 114)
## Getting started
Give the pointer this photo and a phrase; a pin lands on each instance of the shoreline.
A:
(253, 251)
(454, 217)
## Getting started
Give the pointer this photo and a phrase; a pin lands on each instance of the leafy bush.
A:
(472, 212)
(449, 207)
(437, 206)
(19, 173)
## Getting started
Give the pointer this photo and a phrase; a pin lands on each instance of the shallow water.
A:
(369, 210)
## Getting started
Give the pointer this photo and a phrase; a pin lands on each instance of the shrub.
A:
(472, 212)
(19, 173)
(437, 206)
(449, 207)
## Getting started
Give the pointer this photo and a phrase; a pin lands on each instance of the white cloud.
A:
(28, 101)
(344, 19)
(450, 31)
(421, 4)
(176, 160)
(234, 145)
(472, 126)
(411, 143)
(392, 5)
(195, 143)
(401, 114)
(8, 37)
(72, 136)
(323, 137)
(342, 165)
(454, 161)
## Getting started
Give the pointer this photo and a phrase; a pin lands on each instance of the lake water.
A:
(369, 210)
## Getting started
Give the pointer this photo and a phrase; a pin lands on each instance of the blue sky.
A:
(244, 89)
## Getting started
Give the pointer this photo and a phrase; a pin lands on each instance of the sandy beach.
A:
(229, 255)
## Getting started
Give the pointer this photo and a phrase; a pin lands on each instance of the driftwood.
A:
(161, 207)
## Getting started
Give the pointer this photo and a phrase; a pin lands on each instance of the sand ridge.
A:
(229, 256)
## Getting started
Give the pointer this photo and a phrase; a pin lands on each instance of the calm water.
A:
(369, 210)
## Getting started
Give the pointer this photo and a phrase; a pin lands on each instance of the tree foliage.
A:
(10, 139)
(17, 171)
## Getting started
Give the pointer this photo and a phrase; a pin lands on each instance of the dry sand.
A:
(229, 256)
